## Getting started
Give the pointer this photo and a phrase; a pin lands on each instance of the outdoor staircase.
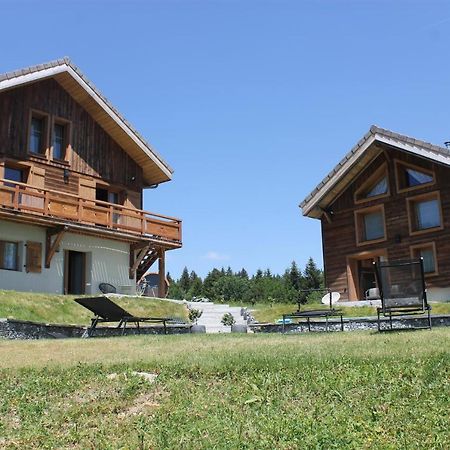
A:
(213, 313)
(146, 263)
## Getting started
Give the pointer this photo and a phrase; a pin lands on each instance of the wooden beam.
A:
(135, 260)
(51, 247)
(162, 273)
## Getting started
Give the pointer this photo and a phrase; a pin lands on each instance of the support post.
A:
(162, 273)
(136, 260)
(51, 247)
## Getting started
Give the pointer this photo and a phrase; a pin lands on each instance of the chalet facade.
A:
(72, 175)
(388, 199)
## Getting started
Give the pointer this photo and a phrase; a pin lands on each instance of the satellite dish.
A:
(335, 296)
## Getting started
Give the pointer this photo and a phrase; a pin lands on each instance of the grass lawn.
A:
(337, 390)
(265, 312)
(62, 309)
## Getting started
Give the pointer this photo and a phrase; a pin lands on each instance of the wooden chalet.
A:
(388, 199)
(72, 175)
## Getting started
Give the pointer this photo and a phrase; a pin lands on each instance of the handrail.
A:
(53, 203)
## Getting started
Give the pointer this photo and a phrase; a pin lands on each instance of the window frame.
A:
(18, 259)
(34, 113)
(426, 245)
(67, 124)
(434, 195)
(359, 230)
(398, 168)
(372, 181)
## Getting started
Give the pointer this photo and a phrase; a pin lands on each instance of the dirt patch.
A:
(144, 404)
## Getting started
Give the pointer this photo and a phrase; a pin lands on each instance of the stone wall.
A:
(21, 329)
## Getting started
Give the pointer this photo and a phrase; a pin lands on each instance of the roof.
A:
(70, 77)
(358, 157)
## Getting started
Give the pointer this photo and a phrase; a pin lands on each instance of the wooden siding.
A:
(339, 236)
(94, 152)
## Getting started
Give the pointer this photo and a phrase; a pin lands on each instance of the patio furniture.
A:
(330, 298)
(106, 310)
(402, 290)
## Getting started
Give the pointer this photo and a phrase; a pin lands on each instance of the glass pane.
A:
(58, 142)
(10, 255)
(379, 188)
(36, 135)
(373, 226)
(416, 178)
(428, 260)
(427, 214)
(13, 174)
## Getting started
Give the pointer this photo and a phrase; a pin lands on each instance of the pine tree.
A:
(185, 282)
(313, 276)
(229, 272)
(294, 277)
(243, 274)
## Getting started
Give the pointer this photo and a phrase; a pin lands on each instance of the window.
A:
(14, 174)
(428, 253)
(411, 177)
(60, 139)
(37, 143)
(375, 186)
(424, 213)
(370, 226)
(9, 255)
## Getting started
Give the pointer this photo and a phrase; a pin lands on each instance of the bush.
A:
(228, 320)
(195, 314)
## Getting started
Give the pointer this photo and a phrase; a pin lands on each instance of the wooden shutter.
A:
(34, 257)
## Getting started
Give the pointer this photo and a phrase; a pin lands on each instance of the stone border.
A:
(23, 329)
(353, 324)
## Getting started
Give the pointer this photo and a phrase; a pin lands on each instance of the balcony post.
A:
(162, 273)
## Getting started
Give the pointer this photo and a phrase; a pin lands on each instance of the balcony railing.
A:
(59, 205)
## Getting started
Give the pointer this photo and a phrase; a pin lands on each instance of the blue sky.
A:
(251, 102)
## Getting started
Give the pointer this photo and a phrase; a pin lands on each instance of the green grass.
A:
(265, 312)
(63, 310)
(323, 391)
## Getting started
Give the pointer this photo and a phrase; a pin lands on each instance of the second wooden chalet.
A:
(388, 199)
(72, 175)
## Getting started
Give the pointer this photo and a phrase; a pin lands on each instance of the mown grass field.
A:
(265, 312)
(62, 309)
(324, 391)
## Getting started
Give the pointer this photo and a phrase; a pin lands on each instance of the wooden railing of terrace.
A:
(49, 203)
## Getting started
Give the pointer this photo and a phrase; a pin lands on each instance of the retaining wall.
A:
(21, 329)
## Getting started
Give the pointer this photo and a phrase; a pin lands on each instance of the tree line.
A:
(224, 285)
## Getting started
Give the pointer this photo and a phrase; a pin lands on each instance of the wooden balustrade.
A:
(50, 203)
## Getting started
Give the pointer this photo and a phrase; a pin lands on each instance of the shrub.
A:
(228, 320)
(195, 314)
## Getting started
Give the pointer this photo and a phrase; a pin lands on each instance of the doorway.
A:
(361, 274)
(75, 272)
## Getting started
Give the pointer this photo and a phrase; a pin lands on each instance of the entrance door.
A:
(361, 274)
(75, 273)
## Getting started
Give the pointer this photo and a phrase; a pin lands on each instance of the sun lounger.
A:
(106, 310)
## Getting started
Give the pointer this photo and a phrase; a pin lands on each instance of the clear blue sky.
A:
(251, 102)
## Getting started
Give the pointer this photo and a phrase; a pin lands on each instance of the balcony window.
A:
(424, 213)
(60, 139)
(9, 255)
(37, 142)
(370, 226)
(13, 174)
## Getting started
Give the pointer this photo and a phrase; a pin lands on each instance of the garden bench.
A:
(314, 314)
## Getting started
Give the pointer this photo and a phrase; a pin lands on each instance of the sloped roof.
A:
(362, 153)
(70, 77)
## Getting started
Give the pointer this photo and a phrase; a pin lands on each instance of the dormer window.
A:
(60, 139)
(411, 177)
(376, 186)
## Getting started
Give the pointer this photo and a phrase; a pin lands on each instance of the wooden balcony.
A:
(46, 205)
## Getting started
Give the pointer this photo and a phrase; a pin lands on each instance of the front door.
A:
(361, 274)
(75, 273)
